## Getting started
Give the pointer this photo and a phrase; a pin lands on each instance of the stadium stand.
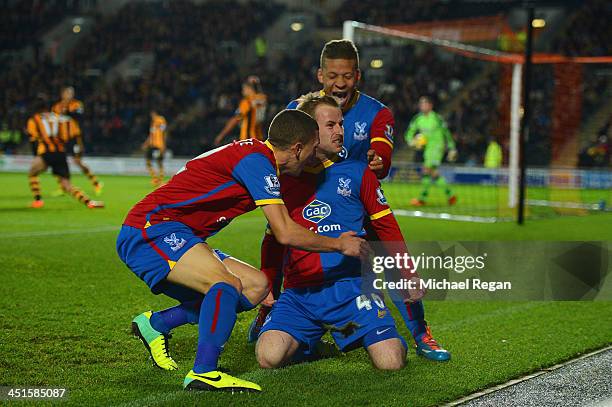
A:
(116, 114)
(27, 19)
(396, 11)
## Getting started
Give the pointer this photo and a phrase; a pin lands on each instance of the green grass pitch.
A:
(66, 302)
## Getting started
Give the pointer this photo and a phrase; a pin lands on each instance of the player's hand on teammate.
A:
(269, 300)
(351, 245)
(452, 155)
(376, 163)
(414, 293)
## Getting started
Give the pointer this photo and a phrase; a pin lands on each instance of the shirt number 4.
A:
(364, 302)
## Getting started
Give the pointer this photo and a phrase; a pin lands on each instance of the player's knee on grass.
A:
(274, 349)
(389, 354)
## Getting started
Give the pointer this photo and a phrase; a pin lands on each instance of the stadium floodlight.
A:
(297, 26)
(552, 174)
(376, 63)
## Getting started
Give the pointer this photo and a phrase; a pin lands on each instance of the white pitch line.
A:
(36, 233)
(512, 382)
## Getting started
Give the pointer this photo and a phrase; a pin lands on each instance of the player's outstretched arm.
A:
(289, 233)
(229, 126)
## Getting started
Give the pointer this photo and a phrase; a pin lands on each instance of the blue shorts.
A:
(152, 252)
(340, 307)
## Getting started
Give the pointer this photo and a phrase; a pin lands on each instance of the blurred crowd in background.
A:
(196, 78)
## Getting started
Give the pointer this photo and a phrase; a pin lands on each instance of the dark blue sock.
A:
(244, 304)
(168, 319)
(217, 319)
(302, 354)
(413, 315)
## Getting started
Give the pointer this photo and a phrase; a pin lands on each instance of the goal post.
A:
(554, 186)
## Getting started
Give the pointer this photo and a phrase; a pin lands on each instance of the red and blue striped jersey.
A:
(334, 198)
(368, 124)
(213, 188)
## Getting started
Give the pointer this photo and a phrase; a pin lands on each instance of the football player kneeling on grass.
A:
(163, 242)
(326, 291)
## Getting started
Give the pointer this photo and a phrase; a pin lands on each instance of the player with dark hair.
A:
(48, 132)
(69, 106)
(368, 137)
(326, 291)
(368, 123)
(163, 242)
(428, 131)
(155, 147)
(251, 112)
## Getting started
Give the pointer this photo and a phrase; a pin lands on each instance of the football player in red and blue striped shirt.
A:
(163, 242)
(326, 290)
(368, 127)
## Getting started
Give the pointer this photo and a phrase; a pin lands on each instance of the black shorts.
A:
(58, 163)
(153, 153)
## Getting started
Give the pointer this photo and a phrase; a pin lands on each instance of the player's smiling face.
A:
(339, 78)
(331, 132)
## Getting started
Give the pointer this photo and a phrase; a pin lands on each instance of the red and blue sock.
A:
(413, 315)
(244, 304)
(217, 319)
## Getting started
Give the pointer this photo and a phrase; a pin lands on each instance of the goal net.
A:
(473, 71)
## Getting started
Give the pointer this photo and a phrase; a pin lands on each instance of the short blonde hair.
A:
(309, 102)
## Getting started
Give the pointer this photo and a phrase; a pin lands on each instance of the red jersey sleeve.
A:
(382, 226)
(381, 137)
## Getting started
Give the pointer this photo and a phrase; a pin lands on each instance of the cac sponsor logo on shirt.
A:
(344, 187)
(360, 132)
(315, 212)
(272, 185)
(380, 196)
